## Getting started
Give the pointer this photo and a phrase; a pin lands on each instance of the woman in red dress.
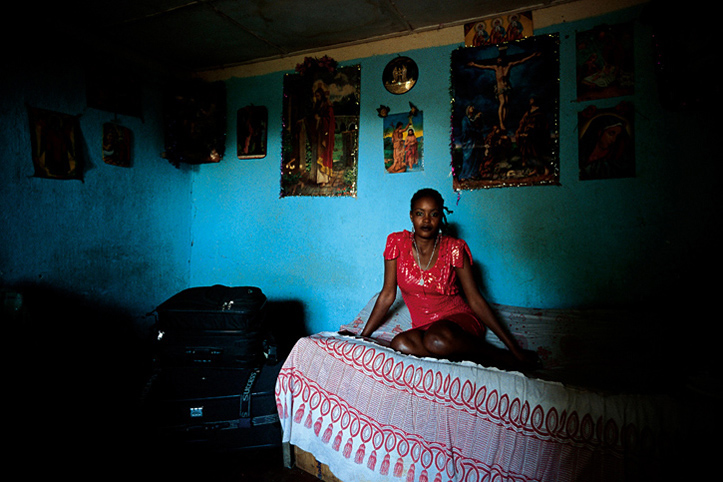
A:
(429, 268)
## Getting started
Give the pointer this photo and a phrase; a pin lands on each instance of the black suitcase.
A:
(220, 408)
(214, 326)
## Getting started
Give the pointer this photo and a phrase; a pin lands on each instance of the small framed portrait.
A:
(400, 75)
(56, 143)
(251, 127)
(116, 145)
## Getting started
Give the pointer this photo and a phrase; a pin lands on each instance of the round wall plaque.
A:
(400, 75)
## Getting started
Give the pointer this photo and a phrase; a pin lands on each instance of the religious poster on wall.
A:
(195, 122)
(55, 144)
(606, 149)
(605, 65)
(116, 145)
(404, 141)
(494, 30)
(320, 129)
(251, 132)
(505, 114)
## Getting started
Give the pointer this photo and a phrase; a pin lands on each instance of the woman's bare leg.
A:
(445, 339)
(411, 342)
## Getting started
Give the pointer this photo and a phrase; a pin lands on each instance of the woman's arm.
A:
(482, 309)
(385, 299)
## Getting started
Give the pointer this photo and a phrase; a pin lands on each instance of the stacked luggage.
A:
(215, 370)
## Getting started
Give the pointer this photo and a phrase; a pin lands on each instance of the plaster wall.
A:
(130, 238)
(118, 238)
(582, 243)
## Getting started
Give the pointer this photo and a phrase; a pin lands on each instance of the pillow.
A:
(396, 321)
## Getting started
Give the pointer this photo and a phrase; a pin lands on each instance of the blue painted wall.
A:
(613, 242)
(120, 238)
(133, 237)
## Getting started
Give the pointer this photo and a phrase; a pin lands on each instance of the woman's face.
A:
(609, 136)
(426, 217)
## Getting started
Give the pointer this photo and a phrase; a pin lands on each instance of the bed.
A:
(368, 413)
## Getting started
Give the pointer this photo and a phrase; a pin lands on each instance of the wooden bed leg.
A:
(307, 462)
(286, 450)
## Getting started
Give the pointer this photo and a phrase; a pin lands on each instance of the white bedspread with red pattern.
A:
(373, 414)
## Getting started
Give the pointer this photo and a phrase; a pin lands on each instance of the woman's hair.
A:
(431, 193)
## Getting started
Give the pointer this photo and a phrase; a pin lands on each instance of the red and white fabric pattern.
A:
(372, 414)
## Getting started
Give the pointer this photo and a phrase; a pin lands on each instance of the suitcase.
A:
(220, 408)
(215, 371)
(213, 326)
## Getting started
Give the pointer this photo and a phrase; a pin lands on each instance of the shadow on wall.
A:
(79, 370)
(287, 323)
(67, 343)
(453, 230)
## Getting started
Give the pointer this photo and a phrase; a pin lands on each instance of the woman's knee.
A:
(406, 342)
(445, 339)
(398, 343)
(440, 342)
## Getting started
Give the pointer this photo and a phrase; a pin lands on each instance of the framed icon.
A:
(116, 145)
(400, 75)
(320, 136)
(251, 127)
(56, 144)
(195, 122)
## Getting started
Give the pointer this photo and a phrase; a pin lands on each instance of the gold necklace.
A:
(419, 261)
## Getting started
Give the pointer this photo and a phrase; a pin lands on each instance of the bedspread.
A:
(373, 414)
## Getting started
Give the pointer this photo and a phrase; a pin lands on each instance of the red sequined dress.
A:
(433, 294)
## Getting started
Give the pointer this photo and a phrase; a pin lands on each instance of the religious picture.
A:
(55, 144)
(605, 148)
(505, 114)
(251, 126)
(195, 122)
(400, 75)
(494, 30)
(116, 145)
(605, 62)
(320, 130)
(403, 141)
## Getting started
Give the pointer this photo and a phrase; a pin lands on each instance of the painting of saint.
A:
(498, 29)
(403, 141)
(606, 149)
(251, 127)
(55, 144)
(116, 145)
(605, 62)
(505, 114)
(320, 132)
(195, 122)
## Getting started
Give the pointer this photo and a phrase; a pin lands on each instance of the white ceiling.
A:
(196, 35)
